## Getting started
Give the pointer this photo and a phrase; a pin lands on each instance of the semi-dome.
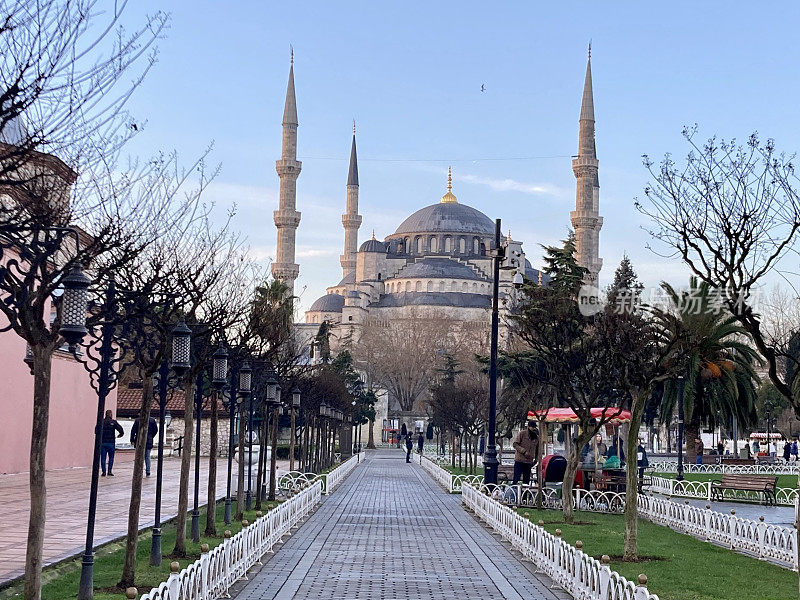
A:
(328, 303)
(349, 278)
(373, 245)
(449, 217)
(437, 267)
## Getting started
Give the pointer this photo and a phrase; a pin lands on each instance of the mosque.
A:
(438, 260)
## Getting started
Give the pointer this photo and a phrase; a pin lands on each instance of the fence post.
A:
(605, 575)
(131, 593)
(641, 592)
(761, 532)
(204, 583)
(174, 581)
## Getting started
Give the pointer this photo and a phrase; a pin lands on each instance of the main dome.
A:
(447, 217)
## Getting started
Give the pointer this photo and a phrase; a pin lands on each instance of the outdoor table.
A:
(617, 477)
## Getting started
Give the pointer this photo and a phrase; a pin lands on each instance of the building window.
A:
(418, 287)
(434, 245)
(420, 245)
(448, 244)
(474, 288)
(464, 286)
(350, 318)
(462, 245)
(430, 286)
(475, 246)
(452, 286)
(408, 286)
(379, 276)
(441, 286)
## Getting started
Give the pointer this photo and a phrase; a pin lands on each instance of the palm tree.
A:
(720, 381)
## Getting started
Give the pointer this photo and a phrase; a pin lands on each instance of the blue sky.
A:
(410, 74)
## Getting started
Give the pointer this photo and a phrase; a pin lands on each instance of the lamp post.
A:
(198, 402)
(681, 383)
(163, 384)
(232, 406)
(273, 464)
(245, 381)
(490, 462)
(295, 408)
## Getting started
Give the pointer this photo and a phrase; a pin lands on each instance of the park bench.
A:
(505, 471)
(764, 484)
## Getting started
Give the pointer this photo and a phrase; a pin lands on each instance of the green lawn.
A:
(460, 471)
(685, 569)
(784, 481)
(107, 568)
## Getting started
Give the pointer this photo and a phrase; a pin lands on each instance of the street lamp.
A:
(490, 462)
(73, 307)
(245, 381)
(295, 408)
(681, 384)
(275, 405)
(231, 406)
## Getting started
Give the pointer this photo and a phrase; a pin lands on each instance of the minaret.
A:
(286, 217)
(586, 219)
(351, 220)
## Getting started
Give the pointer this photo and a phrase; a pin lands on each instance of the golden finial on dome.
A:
(373, 234)
(449, 197)
(354, 126)
(508, 237)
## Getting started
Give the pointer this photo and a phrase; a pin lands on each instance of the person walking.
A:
(108, 443)
(698, 444)
(420, 442)
(409, 446)
(152, 430)
(787, 450)
(526, 453)
(794, 451)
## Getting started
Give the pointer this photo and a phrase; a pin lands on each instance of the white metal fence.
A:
(763, 540)
(579, 574)
(757, 469)
(216, 571)
(295, 480)
(702, 489)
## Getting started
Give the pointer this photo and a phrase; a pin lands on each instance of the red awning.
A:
(567, 415)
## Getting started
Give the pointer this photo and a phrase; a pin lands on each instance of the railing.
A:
(763, 540)
(579, 574)
(757, 469)
(294, 480)
(216, 571)
(702, 490)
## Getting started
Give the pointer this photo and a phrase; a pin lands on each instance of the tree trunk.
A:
(241, 470)
(213, 451)
(631, 551)
(371, 435)
(539, 472)
(262, 458)
(692, 432)
(186, 463)
(42, 363)
(132, 537)
(569, 475)
(273, 469)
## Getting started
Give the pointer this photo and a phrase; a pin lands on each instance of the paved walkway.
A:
(68, 507)
(389, 532)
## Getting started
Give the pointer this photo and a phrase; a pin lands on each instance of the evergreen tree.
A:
(566, 275)
(625, 291)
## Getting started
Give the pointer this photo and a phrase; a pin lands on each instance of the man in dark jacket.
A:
(420, 442)
(526, 453)
(641, 458)
(409, 446)
(108, 444)
(152, 430)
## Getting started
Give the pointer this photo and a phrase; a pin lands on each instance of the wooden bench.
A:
(505, 471)
(765, 484)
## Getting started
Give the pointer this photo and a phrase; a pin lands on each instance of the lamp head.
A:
(73, 306)
(181, 348)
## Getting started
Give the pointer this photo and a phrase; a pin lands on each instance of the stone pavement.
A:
(68, 507)
(389, 532)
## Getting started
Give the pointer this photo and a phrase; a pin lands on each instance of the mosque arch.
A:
(462, 245)
(408, 286)
(434, 244)
(430, 286)
(448, 244)
(418, 286)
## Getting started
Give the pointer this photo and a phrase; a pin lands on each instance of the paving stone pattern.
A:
(389, 532)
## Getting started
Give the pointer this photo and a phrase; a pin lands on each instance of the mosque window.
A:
(430, 286)
(379, 276)
(475, 245)
(408, 286)
(448, 244)
(408, 244)
(441, 286)
(452, 286)
(464, 287)
(462, 245)
(418, 286)
(434, 245)
(420, 245)
(474, 288)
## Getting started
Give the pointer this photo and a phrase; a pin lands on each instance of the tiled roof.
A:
(129, 401)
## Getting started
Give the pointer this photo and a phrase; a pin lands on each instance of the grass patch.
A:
(678, 566)
(461, 471)
(784, 481)
(108, 567)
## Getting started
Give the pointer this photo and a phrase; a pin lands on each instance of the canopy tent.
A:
(567, 415)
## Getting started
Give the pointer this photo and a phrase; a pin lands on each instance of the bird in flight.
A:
(483, 87)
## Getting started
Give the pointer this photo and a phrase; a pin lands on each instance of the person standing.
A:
(641, 458)
(787, 450)
(698, 444)
(409, 446)
(152, 430)
(420, 442)
(526, 453)
(794, 451)
(108, 443)
(720, 448)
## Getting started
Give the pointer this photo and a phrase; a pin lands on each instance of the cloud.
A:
(313, 252)
(510, 185)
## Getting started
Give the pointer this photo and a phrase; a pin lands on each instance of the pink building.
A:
(73, 408)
